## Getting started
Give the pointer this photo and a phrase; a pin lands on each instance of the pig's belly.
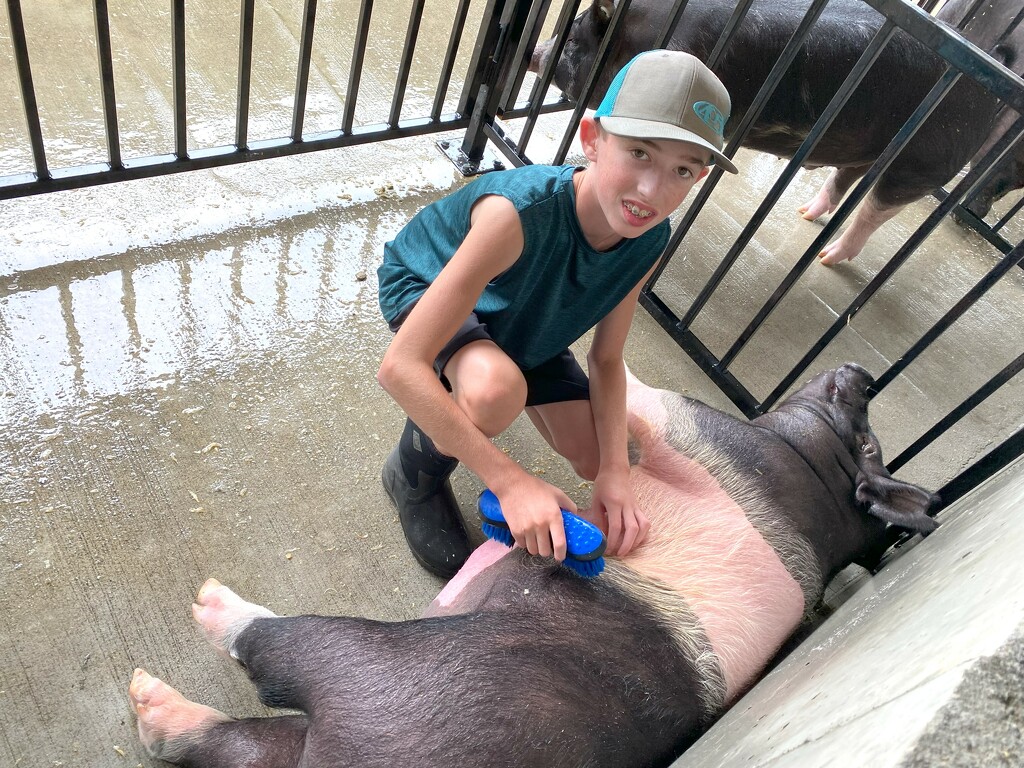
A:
(704, 548)
(470, 587)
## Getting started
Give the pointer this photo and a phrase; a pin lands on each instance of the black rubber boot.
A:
(415, 476)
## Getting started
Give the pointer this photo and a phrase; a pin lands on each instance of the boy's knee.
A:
(492, 399)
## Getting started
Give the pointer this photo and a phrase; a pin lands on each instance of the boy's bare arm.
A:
(613, 494)
(494, 242)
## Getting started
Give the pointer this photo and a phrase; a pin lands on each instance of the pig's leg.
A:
(180, 731)
(869, 217)
(223, 615)
(284, 656)
(832, 192)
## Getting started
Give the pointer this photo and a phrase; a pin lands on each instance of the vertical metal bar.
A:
(356, 71)
(853, 80)
(673, 21)
(449, 59)
(487, 35)
(765, 93)
(738, 15)
(521, 58)
(411, 35)
(1009, 215)
(28, 92)
(178, 77)
(302, 76)
(901, 255)
(983, 468)
(244, 73)
(105, 56)
(1005, 264)
(540, 87)
(491, 53)
(604, 51)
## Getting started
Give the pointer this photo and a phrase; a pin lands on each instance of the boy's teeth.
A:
(637, 212)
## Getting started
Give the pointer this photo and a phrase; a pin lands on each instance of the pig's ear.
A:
(897, 502)
(890, 499)
(603, 10)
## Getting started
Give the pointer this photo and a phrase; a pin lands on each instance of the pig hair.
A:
(682, 623)
(793, 549)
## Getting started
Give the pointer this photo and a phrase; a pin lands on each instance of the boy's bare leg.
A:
(487, 386)
(491, 390)
(569, 429)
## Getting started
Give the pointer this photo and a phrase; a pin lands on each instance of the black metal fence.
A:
(962, 59)
(182, 157)
(492, 100)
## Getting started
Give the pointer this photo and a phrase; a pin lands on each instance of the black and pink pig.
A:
(521, 662)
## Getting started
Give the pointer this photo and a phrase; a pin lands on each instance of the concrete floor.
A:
(187, 390)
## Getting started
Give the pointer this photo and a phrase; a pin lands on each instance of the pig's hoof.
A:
(816, 207)
(223, 615)
(168, 722)
(835, 253)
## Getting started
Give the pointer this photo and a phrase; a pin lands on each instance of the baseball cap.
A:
(668, 95)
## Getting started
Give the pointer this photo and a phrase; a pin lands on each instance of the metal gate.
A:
(491, 107)
(680, 318)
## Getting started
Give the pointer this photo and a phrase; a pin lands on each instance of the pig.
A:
(996, 28)
(520, 661)
(892, 89)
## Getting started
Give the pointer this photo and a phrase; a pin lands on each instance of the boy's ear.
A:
(704, 172)
(590, 132)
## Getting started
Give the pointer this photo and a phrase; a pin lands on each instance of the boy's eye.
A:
(685, 172)
(638, 154)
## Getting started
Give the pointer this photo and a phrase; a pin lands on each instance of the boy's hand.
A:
(532, 509)
(627, 524)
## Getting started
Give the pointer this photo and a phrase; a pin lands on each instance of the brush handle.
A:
(584, 540)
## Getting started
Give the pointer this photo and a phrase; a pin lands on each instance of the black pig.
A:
(995, 27)
(892, 89)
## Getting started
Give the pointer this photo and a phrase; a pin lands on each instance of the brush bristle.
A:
(500, 535)
(588, 569)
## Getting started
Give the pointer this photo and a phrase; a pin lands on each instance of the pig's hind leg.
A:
(284, 656)
(832, 192)
(223, 615)
(180, 731)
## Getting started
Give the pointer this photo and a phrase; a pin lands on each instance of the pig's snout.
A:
(854, 377)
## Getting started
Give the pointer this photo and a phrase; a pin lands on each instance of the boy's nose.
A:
(647, 184)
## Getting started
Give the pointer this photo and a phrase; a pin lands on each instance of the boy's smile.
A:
(632, 185)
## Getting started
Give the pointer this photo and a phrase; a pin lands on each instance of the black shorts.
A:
(557, 380)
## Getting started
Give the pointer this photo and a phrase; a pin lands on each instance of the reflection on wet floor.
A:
(126, 319)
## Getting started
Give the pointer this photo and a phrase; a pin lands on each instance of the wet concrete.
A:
(187, 378)
(201, 407)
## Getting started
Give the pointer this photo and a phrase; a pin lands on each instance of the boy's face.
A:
(640, 181)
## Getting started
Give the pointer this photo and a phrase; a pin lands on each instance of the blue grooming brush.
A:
(584, 541)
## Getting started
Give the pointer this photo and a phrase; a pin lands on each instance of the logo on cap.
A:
(710, 115)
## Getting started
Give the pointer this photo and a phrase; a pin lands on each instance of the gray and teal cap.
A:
(668, 95)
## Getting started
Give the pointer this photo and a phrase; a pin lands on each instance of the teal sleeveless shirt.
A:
(556, 291)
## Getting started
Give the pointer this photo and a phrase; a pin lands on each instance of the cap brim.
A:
(634, 128)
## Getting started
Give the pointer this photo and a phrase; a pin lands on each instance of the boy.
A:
(487, 288)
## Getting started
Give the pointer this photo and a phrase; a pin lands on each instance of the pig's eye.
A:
(833, 391)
